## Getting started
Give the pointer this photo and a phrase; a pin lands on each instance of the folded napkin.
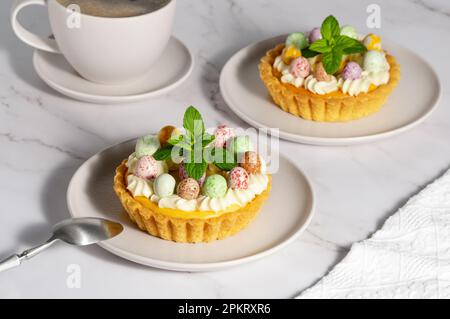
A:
(408, 258)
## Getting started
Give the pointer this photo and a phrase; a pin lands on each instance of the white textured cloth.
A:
(408, 258)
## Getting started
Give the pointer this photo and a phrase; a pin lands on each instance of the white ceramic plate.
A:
(285, 215)
(173, 68)
(412, 101)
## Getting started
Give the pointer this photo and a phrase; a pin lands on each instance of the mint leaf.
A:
(224, 159)
(208, 139)
(332, 61)
(226, 166)
(353, 50)
(184, 142)
(320, 46)
(330, 28)
(163, 154)
(196, 170)
(308, 53)
(349, 45)
(174, 140)
(193, 123)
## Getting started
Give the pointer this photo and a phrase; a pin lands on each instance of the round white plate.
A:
(285, 215)
(173, 68)
(411, 102)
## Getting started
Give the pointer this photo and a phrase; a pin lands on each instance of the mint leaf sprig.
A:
(333, 46)
(195, 147)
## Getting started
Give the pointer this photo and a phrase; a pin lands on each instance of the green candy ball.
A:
(215, 186)
(164, 185)
(374, 61)
(298, 39)
(349, 31)
(240, 144)
(147, 146)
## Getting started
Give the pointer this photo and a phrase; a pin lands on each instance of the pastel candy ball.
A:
(184, 175)
(251, 162)
(223, 133)
(215, 186)
(352, 71)
(164, 185)
(297, 39)
(147, 146)
(374, 61)
(240, 144)
(349, 31)
(315, 35)
(188, 189)
(147, 167)
(300, 67)
(238, 178)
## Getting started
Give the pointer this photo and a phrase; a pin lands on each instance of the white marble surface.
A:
(44, 137)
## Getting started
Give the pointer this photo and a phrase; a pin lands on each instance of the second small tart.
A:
(332, 107)
(331, 75)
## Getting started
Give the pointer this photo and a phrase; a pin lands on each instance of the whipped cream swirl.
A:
(139, 186)
(321, 87)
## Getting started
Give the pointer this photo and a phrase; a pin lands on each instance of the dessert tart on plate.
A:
(331, 75)
(174, 192)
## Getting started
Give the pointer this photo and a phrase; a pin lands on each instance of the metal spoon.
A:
(77, 231)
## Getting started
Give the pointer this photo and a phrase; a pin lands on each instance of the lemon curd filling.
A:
(177, 213)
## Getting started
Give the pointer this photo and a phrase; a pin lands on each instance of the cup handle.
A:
(26, 36)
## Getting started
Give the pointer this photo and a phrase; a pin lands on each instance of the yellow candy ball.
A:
(166, 133)
(372, 42)
(290, 53)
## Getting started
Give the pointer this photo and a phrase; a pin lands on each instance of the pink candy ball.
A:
(223, 133)
(300, 67)
(184, 175)
(352, 71)
(315, 35)
(146, 168)
(238, 178)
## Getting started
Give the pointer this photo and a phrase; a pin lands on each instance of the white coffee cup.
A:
(102, 49)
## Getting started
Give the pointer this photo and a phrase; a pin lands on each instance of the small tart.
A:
(333, 107)
(182, 226)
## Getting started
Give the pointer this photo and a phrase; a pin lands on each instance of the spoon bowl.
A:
(86, 231)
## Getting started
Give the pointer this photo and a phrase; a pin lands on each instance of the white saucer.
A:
(173, 68)
(411, 102)
(285, 215)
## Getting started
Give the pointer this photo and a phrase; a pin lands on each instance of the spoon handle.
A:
(16, 260)
(10, 262)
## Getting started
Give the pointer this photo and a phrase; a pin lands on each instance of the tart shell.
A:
(154, 221)
(333, 107)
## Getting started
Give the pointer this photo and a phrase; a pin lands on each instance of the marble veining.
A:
(45, 137)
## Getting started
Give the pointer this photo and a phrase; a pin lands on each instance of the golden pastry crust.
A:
(333, 107)
(153, 219)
